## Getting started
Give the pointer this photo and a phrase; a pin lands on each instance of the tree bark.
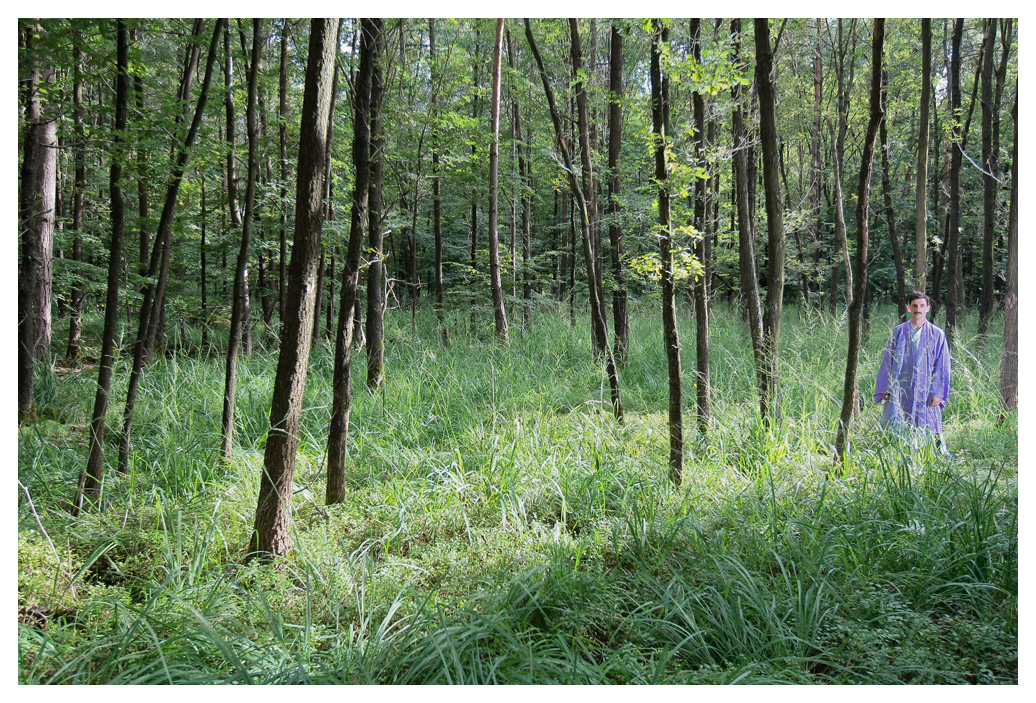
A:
(702, 250)
(271, 534)
(985, 309)
(953, 218)
(338, 430)
(437, 284)
(282, 130)
(90, 480)
(45, 152)
(499, 313)
(890, 213)
(75, 317)
(588, 253)
(154, 293)
(619, 295)
(599, 331)
(670, 334)
(774, 219)
(237, 307)
(850, 402)
(745, 225)
(921, 199)
(1009, 355)
(375, 238)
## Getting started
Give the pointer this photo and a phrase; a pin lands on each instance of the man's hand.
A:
(932, 402)
(884, 398)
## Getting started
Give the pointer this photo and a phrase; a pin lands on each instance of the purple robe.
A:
(911, 381)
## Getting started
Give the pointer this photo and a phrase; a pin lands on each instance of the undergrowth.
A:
(500, 527)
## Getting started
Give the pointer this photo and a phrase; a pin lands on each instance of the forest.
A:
(620, 296)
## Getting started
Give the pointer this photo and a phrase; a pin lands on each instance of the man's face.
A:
(918, 309)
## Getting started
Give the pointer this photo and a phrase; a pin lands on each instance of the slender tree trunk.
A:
(953, 218)
(1009, 356)
(599, 331)
(237, 307)
(154, 293)
(745, 225)
(90, 479)
(774, 219)
(75, 317)
(282, 129)
(890, 214)
(588, 253)
(29, 206)
(375, 238)
(499, 313)
(271, 534)
(204, 272)
(436, 187)
(338, 431)
(850, 403)
(670, 334)
(620, 316)
(702, 250)
(45, 152)
(988, 180)
(921, 199)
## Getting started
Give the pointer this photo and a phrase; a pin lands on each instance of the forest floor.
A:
(501, 527)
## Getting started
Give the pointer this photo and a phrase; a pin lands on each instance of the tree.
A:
(376, 269)
(774, 219)
(850, 402)
(240, 275)
(338, 430)
(745, 226)
(921, 200)
(702, 250)
(1009, 356)
(890, 213)
(670, 334)
(620, 316)
(271, 533)
(90, 479)
(499, 313)
(584, 220)
(953, 217)
(989, 113)
(75, 315)
(154, 293)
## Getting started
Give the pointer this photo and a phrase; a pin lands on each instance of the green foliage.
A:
(499, 527)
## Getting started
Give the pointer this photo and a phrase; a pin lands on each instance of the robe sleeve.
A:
(940, 387)
(882, 386)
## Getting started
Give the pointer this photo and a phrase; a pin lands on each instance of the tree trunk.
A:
(271, 534)
(988, 180)
(921, 199)
(599, 332)
(890, 214)
(338, 430)
(45, 152)
(774, 219)
(1009, 356)
(154, 293)
(850, 403)
(670, 334)
(204, 272)
(499, 313)
(436, 187)
(90, 479)
(588, 253)
(282, 129)
(745, 225)
(953, 218)
(75, 317)
(702, 250)
(375, 238)
(620, 316)
(237, 307)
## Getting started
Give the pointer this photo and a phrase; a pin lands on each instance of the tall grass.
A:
(500, 527)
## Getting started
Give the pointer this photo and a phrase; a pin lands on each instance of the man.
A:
(914, 378)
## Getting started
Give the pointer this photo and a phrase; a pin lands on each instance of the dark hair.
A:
(919, 294)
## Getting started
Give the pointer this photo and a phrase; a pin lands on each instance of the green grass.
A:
(500, 527)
